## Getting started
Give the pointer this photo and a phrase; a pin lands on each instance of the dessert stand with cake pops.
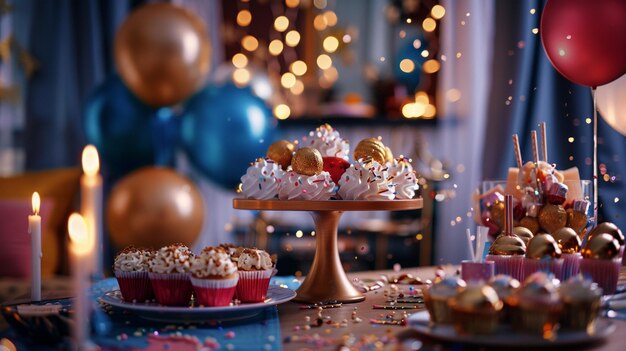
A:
(327, 280)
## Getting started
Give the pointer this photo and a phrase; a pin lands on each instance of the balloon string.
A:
(595, 155)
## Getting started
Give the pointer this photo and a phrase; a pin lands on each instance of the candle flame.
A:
(91, 162)
(77, 228)
(36, 203)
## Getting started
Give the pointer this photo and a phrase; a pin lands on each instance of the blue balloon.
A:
(223, 129)
(127, 133)
(410, 49)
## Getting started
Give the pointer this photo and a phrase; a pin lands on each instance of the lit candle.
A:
(81, 249)
(34, 228)
(91, 205)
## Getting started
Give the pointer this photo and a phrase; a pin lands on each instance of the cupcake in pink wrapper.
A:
(131, 270)
(255, 268)
(169, 275)
(569, 243)
(214, 277)
(507, 253)
(543, 255)
(536, 306)
(601, 261)
(614, 231)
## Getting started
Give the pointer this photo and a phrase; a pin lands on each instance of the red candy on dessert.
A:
(336, 166)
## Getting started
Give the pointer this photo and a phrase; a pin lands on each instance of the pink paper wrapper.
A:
(571, 265)
(603, 272)
(477, 271)
(252, 285)
(135, 286)
(172, 289)
(214, 292)
(547, 265)
(511, 265)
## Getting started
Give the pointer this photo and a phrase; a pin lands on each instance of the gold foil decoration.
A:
(552, 217)
(567, 239)
(543, 246)
(371, 147)
(307, 161)
(281, 152)
(601, 247)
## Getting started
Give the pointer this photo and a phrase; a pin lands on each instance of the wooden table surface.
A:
(330, 335)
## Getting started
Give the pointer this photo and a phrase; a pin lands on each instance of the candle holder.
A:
(327, 280)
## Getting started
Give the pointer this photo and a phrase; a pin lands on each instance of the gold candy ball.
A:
(608, 228)
(602, 247)
(576, 220)
(507, 245)
(552, 217)
(307, 161)
(371, 147)
(531, 223)
(543, 246)
(567, 239)
(497, 214)
(281, 152)
(523, 233)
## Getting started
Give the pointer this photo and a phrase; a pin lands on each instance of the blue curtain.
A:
(527, 90)
(72, 42)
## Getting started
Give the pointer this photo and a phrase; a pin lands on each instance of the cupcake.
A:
(507, 252)
(255, 268)
(366, 180)
(262, 180)
(569, 243)
(581, 304)
(214, 277)
(307, 180)
(543, 254)
(404, 178)
(169, 275)
(436, 298)
(504, 286)
(537, 306)
(131, 270)
(476, 310)
(600, 261)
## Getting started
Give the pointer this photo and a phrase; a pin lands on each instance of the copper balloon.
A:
(154, 207)
(163, 54)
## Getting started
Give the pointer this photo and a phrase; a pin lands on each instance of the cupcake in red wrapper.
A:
(601, 261)
(131, 270)
(255, 268)
(507, 252)
(569, 243)
(543, 255)
(214, 277)
(169, 275)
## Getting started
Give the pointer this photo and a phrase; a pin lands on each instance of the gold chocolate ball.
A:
(576, 220)
(477, 298)
(281, 152)
(543, 246)
(531, 223)
(497, 214)
(507, 245)
(307, 161)
(388, 154)
(523, 233)
(608, 228)
(371, 147)
(567, 239)
(601, 246)
(552, 217)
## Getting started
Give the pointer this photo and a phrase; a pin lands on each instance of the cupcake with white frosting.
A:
(328, 142)
(169, 275)
(306, 180)
(214, 277)
(262, 180)
(404, 178)
(366, 180)
(255, 268)
(131, 270)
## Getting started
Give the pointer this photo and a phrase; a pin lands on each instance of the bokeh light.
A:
(330, 44)
(438, 12)
(407, 66)
(431, 66)
(298, 68)
(281, 23)
(331, 18)
(240, 60)
(288, 80)
(319, 23)
(241, 77)
(297, 88)
(320, 4)
(429, 24)
(292, 38)
(244, 17)
(292, 3)
(249, 43)
(282, 111)
(276, 47)
(324, 61)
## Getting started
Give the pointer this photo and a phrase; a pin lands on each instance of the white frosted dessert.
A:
(171, 259)
(132, 259)
(213, 262)
(366, 180)
(328, 142)
(262, 180)
(250, 259)
(402, 175)
(296, 186)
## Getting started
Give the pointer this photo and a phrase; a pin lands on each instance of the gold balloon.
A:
(162, 53)
(608, 228)
(552, 217)
(523, 233)
(307, 161)
(601, 246)
(531, 223)
(576, 220)
(154, 207)
(507, 245)
(543, 246)
(371, 147)
(567, 239)
(388, 154)
(281, 152)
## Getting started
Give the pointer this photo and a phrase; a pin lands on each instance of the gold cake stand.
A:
(327, 280)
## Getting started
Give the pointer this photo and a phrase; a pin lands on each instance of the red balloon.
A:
(585, 40)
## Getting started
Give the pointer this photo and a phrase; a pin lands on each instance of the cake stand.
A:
(327, 280)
